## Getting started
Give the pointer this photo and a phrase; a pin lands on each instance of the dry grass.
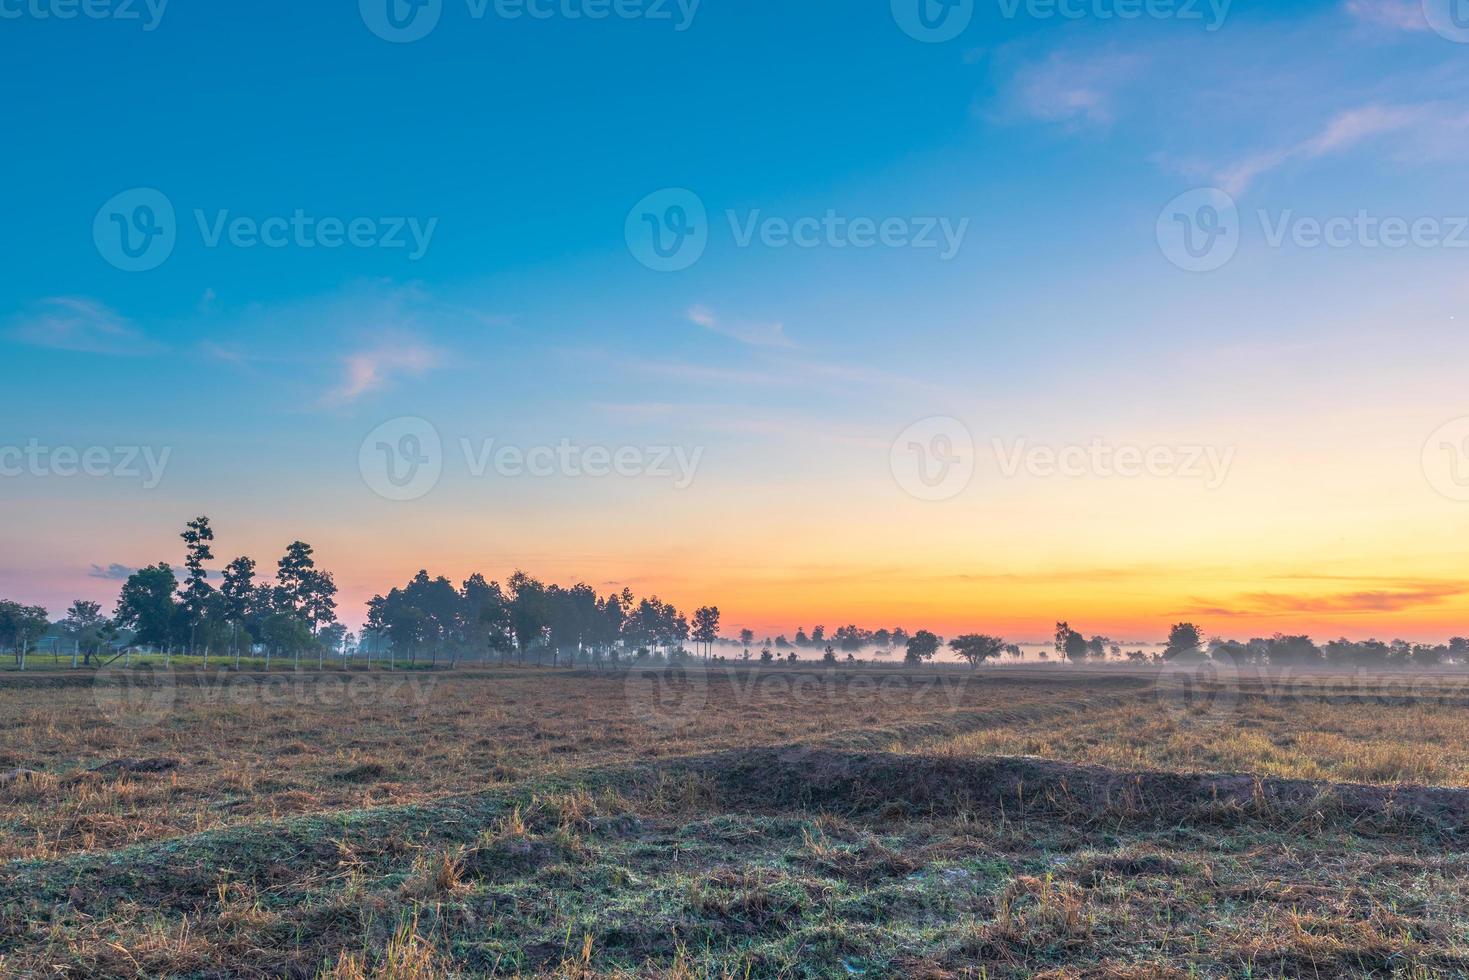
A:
(538, 823)
(1293, 738)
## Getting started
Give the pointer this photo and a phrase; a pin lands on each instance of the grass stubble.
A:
(801, 823)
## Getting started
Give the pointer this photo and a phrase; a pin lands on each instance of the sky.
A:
(965, 316)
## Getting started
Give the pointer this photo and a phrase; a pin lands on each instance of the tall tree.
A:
(921, 646)
(977, 647)
(22, 625)
(196, 590)
(1184, 640)
(293, 578)
(86, 627)
(706, 628)
(145, 605)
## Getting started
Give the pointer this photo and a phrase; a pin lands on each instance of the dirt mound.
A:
(799, 777)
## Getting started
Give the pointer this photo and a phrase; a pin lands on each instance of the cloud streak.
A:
(367, 371)
(754, 334)
(78, 324)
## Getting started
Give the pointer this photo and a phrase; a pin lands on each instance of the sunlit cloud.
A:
(78, 324)
(754, 334)
(1072, 89)
(1402, 15)
(371, 370)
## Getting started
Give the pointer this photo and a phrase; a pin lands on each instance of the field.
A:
(778, 821)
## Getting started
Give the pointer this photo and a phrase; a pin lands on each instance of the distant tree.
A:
(485, 616)
(976, 648)
(830, 656)
(1184, 640)
(1070, 644)
(765, 655)
(237, 595)
(1459, 649)
(145, 605)
(286, 633)
(529, 611)
(196, 592)
(801, 638)
(791, 657)
(921, 647)
(86, 627)
(23, 626)
(294, 579)
(1281, 650)
(706, 628)
(319, 600)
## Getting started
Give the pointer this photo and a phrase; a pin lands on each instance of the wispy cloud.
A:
(79, 324)
(112, 572)
(1346, 130)
(1070, 88)
(1401, 15)
(754, 334)
(370, 370)
(1251, 604)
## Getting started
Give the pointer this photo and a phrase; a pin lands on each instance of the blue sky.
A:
(524, 144)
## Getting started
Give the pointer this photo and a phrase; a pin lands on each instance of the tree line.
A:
(433, 619)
